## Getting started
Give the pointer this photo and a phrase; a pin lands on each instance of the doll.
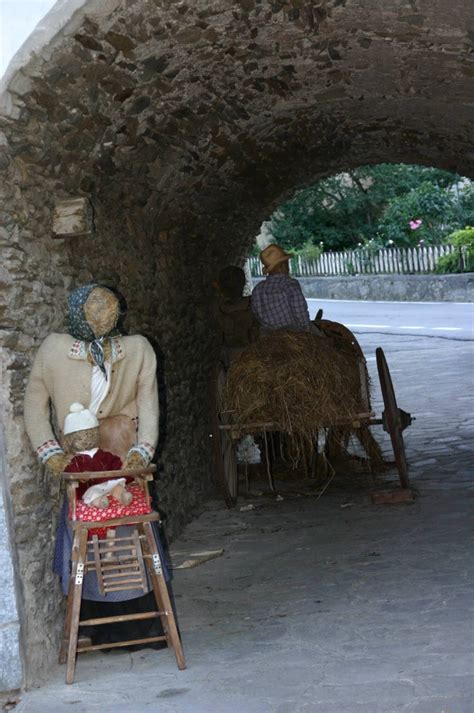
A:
(95, 365)
(81, 442)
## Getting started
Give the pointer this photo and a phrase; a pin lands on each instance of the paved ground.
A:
(319, 608)
(432, 319)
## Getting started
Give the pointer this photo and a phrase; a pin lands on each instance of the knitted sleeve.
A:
(36, 408)
(147, 404)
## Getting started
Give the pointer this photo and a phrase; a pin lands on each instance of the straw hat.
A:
(272, 256)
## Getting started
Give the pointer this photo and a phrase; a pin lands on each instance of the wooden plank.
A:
(120, 618)
(325, 264)
(98, 571)
(118, 644)
(431, 260)
(78, 559)
(124, 586)
(117, 563)
(364, 387)
(141, 563)
(110, 474)
(193, 559)
(368, 261)
(162, 598)
(129, 520)
(67, 620)
(111, 576)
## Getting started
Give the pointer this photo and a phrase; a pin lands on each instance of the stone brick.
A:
(392, 497)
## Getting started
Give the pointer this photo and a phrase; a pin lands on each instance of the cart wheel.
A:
(225, 462)
(394, 420)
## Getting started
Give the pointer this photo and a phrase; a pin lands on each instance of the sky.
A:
(18, 19)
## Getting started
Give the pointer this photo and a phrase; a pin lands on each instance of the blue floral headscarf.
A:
(79, 327)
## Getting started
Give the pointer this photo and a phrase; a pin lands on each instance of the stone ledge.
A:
(397, 288)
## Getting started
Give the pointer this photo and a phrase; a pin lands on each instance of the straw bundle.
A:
(298, 381)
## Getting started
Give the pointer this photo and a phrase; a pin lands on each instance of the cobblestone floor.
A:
(318, 608)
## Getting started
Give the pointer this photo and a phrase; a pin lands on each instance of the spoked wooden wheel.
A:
(225, 462)
(394, 419)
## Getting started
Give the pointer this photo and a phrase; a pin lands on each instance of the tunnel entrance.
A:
(178, 128)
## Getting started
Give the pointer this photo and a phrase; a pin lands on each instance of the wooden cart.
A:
(225, 433)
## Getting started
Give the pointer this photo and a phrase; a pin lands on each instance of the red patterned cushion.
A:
(115, 510)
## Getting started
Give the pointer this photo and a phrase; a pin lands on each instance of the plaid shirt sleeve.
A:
(299, 306)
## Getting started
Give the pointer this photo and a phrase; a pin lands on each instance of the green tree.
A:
(349, 208)
(427, 212)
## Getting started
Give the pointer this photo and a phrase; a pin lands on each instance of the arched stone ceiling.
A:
(213, 106)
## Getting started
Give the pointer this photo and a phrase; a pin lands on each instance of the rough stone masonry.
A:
(184, 124)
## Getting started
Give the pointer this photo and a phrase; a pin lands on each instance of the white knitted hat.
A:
(79, 419)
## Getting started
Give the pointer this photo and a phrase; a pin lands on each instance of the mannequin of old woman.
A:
(114, 375)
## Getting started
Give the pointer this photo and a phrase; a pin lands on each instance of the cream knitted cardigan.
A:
(61, 374)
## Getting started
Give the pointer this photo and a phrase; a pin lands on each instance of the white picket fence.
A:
(362, 261)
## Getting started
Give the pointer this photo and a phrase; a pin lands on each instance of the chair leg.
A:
(79, 553)
(162, 596)
(67, 619)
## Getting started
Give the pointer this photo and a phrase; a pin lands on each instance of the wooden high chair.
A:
(120, 563)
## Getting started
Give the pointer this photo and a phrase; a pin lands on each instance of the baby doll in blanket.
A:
(101, 499)
(81, 440)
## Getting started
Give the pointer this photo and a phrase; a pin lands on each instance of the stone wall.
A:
(398, 288)
(151, 267)
(11, 644)
(184, 125)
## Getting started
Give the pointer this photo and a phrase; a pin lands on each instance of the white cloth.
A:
(95, 491)
(79, 419)
(248, 451)
(100, 386)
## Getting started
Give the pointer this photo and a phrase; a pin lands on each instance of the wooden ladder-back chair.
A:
(120, 563)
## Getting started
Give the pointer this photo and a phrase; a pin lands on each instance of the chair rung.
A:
(112, 540)
(117, 548)
(120, 575)
(121, 643)
(125, 586)
(109, 565)
(121, 617)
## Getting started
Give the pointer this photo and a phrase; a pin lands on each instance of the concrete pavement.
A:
(450, 320)
(319, 608)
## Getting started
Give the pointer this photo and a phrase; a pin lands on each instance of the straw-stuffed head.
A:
(231, 282)
(81, 429)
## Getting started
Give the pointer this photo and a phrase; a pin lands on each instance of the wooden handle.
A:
(143, 473)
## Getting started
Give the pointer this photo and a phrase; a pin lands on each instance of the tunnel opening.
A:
(179, 129)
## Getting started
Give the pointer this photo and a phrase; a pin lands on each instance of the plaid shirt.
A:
(278, 302)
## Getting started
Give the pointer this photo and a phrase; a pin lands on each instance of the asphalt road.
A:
(449, 320)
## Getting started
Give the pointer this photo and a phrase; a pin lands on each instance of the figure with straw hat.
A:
(278, 301)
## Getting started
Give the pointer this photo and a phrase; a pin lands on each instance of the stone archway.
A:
(183, 125)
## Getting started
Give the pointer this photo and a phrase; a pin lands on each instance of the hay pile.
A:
(296, 380)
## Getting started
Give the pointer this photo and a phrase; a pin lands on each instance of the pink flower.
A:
(415, 224)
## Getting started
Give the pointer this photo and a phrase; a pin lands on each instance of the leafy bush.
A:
(309, 251)
(434, 206)
(463, 259)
